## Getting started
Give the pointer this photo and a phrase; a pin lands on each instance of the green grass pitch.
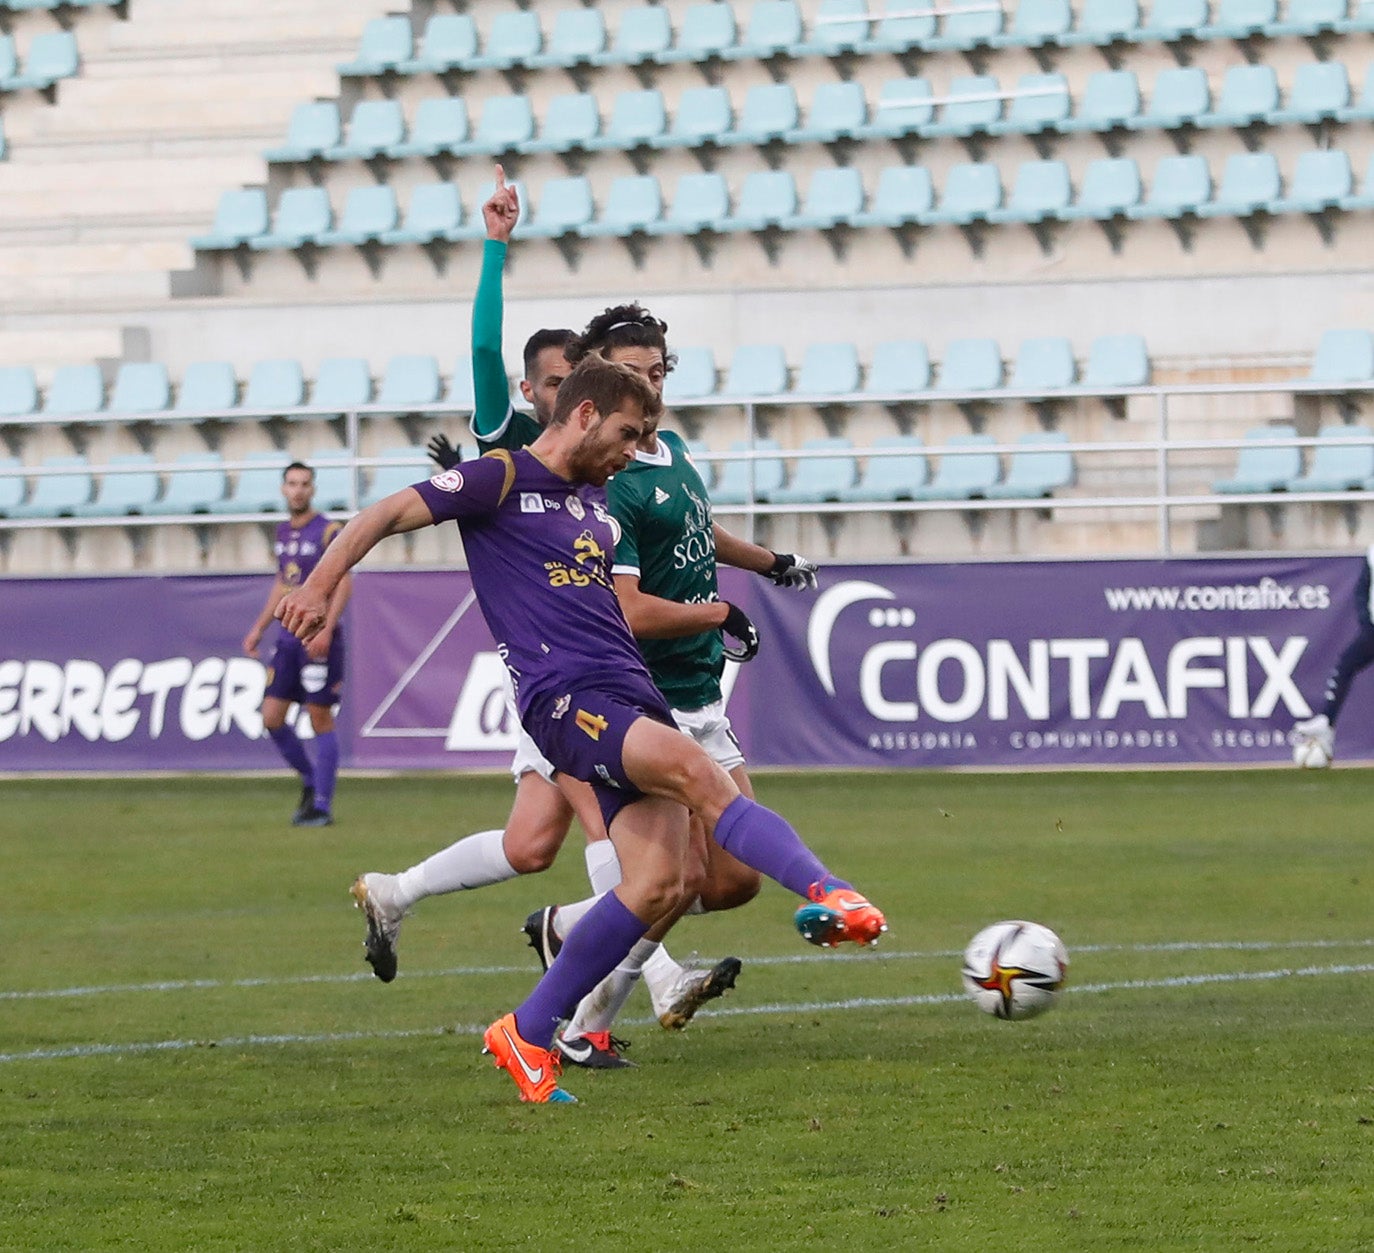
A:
(193, 1055)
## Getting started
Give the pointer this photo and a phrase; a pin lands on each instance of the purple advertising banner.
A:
(1046, 663)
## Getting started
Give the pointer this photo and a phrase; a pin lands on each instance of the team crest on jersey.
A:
(576, 507)
(531, 502)
(448, 481)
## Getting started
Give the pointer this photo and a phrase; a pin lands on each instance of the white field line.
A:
(363, 976)
(743, 1011)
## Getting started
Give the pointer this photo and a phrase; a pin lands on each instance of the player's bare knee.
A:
(321, 719)
(706, 786)
(532, 850)
(730, 890)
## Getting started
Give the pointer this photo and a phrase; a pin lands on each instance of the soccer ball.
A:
(1015, 969)
(1311, 754)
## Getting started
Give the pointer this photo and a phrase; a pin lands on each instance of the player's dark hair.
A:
(623, 326)
(549, 337)
(297, 465)
(607, 385)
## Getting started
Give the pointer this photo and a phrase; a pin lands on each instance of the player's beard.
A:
(592, 461)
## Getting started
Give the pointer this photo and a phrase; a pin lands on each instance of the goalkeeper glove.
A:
(446, 454)
(737, 624)
(790, 570)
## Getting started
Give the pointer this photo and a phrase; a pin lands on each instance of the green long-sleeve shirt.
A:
(495, 422)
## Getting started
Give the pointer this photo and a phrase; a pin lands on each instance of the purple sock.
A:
(293, 751)
(326, 768)
(595, 947)
(766, 841)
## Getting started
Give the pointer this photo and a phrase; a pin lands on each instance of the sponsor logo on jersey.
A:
(587, 549)
(531, 502)
(661, 497)
(592, 724)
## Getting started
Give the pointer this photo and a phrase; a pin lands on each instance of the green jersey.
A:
(667, 539)
(495, 421)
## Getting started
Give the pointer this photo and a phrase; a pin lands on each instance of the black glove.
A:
(790, 570)
(446, 454)
(737, 624)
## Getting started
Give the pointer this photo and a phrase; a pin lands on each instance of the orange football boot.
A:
(837, 914)
(534, 1070)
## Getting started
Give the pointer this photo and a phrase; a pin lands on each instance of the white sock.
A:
(473, 862)
(568, 916)
(662, 976)
(603, 866)
(599, 1007)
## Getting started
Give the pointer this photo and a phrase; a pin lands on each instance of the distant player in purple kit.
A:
(539, 541)
(309, 674)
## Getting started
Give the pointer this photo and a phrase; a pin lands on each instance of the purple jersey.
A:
(539, 549)
(299, 548)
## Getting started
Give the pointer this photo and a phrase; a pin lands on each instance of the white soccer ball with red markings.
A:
(1015, 969)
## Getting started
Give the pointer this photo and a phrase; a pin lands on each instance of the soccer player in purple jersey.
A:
(539, 540)
(310, 674)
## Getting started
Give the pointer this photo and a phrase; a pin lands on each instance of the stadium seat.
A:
(130, 491)
(386, 43)
(828, 370)
(756, 370)
(57, 495)
(402, 467)
(834, 197)
(75, 390)
(1171, 21)
(504, 124)
(903, 108)
(1110, 189)
(207, 387)
(703, 115)
(700, 452)
(1044, 364)
(1249, 96)
(1040, 193)
(966, 26)
(1110, 101)
(699, 202)
(369, 212)
(1307, 19)
(11, 485)
(1239, 19)
(433, 214)
(1364, 198)
(52, 56)
(766, 197)
(313, 130)
(768, 114)
(756, 478)
(971, 192)
(441, 126)
(706, 32)
(275, 386)
(1103, 24)
(513, 39)
(1250, 184)
(1038, 468)
(1338, 464)
(897, 475)
(904, 195)
(632, 204)
(257, 488)
(449, 43)
(199, 487)
(1038, 104)
(303, 214)
(141, 387)
(819, 479)
(375, 127)
(970, 365)
(335, 480)
(1116, 361)
(409, 380)
(1182, 184)
(577, 38)
(1322, 180)
(1320, 92)
(1264, 468)
(774, 29)
(637, 119)
(1037, 23)
(839, 27)
(241, 216)
(1360, 19)
(643, 33)
(570, 123)
(342, 384)
(9, 59)
(462, 392)
(692, 378)
(838, 111)
(565, 206)
(1180, 96)
(974, 103)
(966, 471)
(899, 368)
(900, 29)
(1344, 355)
(18, 391)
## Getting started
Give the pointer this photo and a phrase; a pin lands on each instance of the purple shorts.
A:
(293, 676)
(582, 732)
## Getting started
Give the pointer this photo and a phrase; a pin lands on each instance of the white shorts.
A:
(527, 755)
(710, 727)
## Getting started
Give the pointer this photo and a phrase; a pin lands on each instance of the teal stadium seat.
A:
(633, 203)
(1044, 364)
(774, 30)
(375, 128)
(756, 478)
(971, 192)
(1117, 361)
(1037, 24)
(1342, 462)
(1040, 193)
(1182, 185)
(828, 370)
(643, 34)
(434, 212)
(1039, 103)
(903, 108)
(637, 119)
(513, 39)
(1180, 96)
(18, 392)
(706, 33)
(768, 114)
(240, 216)
(902, 27)
(207, 387)
(1038, 468)
(1360, 20)
(1250, 184)
(408, 381)
(1240, 19)
(838, 111)
(898, 474)
(75, 391)
(11, 485)
(141, 387)
(196, 484)
(1171, 21)
(974, 103)
(565, 205)
(900, 367)
(402, 467)
(1249, 96)
(1307, 19)
(59, 494)
(700, 203)
(368, 213)
(334, 479)
(449, 43)
(441, 126)
(1103, 24)
(703, 115)
(904, 195)
(766, 198)
(257, 487)
(303, 214)
(834, 197)
(386, 43)
(1322, 180)
(1110, 102)
(462, 392)
(9, 60)
(1264, 467)
(970, 365)
(1364, 198)
(1320, 92)
(756, 370)
(1344, 355)
(839, 27)
(274, 386)
(52, 56)
(342, 384)
(131, 490)
(692, 378)
(821, 478)
(967, 25)
(571, 123)
(504, 124)
(700, 452)
(966, 471)
(578, 37)
(313, 130)
(1362, 110)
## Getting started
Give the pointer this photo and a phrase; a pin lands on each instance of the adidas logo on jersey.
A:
(660, 496)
